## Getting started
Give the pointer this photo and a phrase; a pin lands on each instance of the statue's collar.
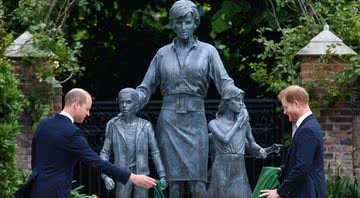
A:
(193, 44)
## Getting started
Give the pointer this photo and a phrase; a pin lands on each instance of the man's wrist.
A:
(132, 177)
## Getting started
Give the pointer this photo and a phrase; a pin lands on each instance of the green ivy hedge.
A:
(11, 101)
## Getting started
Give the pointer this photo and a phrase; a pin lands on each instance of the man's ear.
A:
(296, 102)
(76, 105)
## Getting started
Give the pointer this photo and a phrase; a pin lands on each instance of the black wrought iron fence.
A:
(266, 118)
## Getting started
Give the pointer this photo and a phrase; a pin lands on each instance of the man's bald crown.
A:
(76, 95)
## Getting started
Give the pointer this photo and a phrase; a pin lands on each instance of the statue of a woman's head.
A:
(182, 8)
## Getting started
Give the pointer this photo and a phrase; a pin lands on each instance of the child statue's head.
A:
(233, 99)
(128, 100)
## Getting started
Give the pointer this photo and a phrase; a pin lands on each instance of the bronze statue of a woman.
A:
(183, 70)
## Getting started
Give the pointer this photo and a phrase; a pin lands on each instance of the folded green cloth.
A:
(268, 179)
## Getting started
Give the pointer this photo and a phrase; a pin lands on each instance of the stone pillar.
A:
(340, 124)
(16, 52)
(337, 126)
(356, 141)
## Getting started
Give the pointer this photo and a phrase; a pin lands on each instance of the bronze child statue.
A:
(131, 139)
(232, 136)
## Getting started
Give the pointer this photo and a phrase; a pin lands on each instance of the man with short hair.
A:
(58, 145)
(303, 173)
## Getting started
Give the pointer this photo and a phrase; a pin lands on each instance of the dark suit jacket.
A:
(303, 174)
(57, 146)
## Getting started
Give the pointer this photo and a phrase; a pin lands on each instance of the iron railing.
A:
(266, 119)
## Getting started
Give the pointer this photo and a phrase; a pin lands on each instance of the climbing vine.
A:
(277, 65)
(54, 58)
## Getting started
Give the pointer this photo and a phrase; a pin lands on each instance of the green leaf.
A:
(81, 35)
(219, 25)
(222, 19)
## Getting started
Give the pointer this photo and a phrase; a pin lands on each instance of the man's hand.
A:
(142, 180)
(109, 183)
(269, 193)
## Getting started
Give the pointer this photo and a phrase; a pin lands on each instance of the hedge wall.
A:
(11, 101)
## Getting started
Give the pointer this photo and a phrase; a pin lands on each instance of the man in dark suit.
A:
(58, 145)
(303, 173)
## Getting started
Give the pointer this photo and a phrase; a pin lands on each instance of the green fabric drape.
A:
(268, 179)
(158, 190)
